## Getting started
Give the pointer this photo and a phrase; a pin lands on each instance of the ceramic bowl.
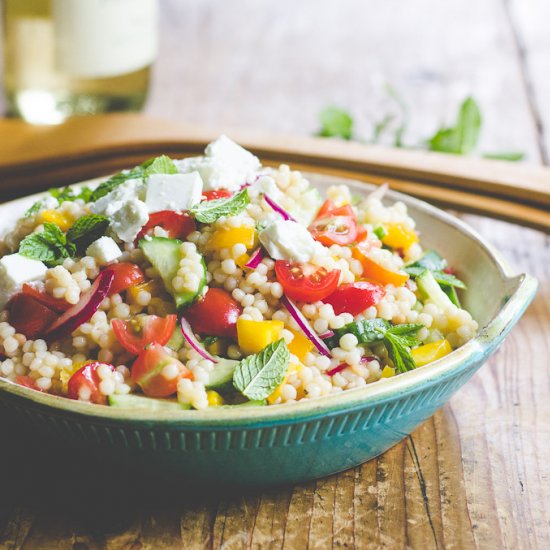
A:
(259, 446)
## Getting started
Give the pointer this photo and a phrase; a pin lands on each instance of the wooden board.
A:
(475, 475)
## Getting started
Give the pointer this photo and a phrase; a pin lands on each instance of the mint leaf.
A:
(511, 156)
(86, 230)
(431, 260)
(34, 209)
(159, 165)
(461, 138)
(114, 181)
(210, 211)
(49, 247)
(257, 376)
(335, 122)
(447, 279)
(367, 331)
(398, 340)
(64, 194)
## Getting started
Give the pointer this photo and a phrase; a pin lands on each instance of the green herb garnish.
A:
(398, 341)
(155, 165)
(367, 331)
(335, 122)
(257, 376)
(210, 211)
(380, 232)
(86, 230)
(50, 246)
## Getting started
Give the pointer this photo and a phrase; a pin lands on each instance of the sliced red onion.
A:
(368, 359)
(303, 323)
(337, 369)
(379, 192)
(83, 311)
(327, 334)
(278, 209)
(191, 339)
(255, 259)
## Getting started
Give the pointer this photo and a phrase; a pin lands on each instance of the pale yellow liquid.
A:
(37, 91)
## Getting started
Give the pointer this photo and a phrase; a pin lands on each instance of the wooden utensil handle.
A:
(35, 157)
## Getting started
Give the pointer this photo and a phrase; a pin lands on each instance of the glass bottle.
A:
(77, 57)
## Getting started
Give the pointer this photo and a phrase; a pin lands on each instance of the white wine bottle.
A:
(77, 57)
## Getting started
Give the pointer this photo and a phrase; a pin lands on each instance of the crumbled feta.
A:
(104, 250)
(288, 240)
(173, 191)
(225, 165)
(16, 270)
(127, 213)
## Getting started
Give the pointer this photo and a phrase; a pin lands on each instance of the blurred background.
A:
(398, 71)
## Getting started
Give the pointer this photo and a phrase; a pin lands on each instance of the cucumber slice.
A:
(431, 290)
(176, 340)
(165, 255)
(222, 375)
(142, 403)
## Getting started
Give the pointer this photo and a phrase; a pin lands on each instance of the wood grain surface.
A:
(477, 474)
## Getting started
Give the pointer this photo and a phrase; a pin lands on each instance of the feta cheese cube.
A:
(15, 270)
(127, 213)
(104, 250)
(173, 191)
(288, 240)
(225, 165)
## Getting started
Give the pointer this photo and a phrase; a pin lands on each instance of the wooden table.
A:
(476, 475)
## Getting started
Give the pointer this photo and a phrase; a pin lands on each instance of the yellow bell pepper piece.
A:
(241, 261)
(53, 216)
(254, 336)
(292, 368)
(226, 238)
(300, 345)
(152, 286)
(214, 399)
(398, 236)
(428, 353)
(387, 372)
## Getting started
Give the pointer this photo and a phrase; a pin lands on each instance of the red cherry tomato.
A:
(126, 275)
(137, 333)
(217, 194)
(28, 382)
(28, 316)
(216, 314)
(355, 297)
(157, 372)
(84, 384)
(57, 304)
(362, 233)
(334, 225)
(177, 224)
(305, 282)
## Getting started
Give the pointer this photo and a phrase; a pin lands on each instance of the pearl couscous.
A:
(260, 293)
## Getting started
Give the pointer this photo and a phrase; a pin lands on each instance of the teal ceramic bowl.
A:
(261, 446)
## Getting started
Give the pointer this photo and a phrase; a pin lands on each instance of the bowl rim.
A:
(480, 347)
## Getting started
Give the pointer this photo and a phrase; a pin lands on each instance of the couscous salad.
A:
(214, 281)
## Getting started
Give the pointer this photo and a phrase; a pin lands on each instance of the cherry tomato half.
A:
(217, 194)
(334, 225)
(126, 275)
(84, 384)
(138, 332)
(355, 297)
(305, 282)
(28, 316)
(57, 304)
(157, 373)
(177, 224)
(216, 314)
